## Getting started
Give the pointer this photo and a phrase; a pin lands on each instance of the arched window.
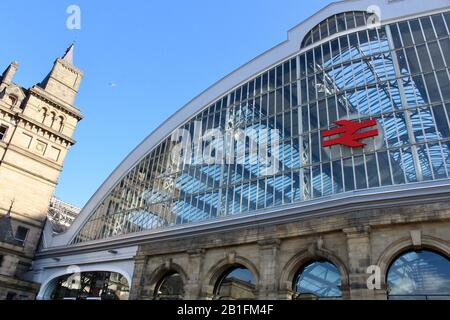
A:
(419, 275)
(44, 114)
(95, 285)
(52, 119)
(170, 287)
(318, 279)
(60, 124)
(237, 283)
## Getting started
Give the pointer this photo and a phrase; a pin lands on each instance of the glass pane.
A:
(319, 279)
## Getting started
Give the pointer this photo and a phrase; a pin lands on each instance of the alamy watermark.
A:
(73, 21)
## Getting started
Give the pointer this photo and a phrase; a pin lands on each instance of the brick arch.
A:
(302, 258)
(158, 274)
(395, 249)
(217, 270)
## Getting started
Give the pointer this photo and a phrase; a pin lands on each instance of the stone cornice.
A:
(55, 101)
(48, 129)
(23, 117)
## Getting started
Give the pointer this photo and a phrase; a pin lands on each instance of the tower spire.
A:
(68, 55)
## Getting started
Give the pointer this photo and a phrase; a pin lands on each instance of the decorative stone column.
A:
(193, 287)
(137, 283)
(269, 269)
(359, 252)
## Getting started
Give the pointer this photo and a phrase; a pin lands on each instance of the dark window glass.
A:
(420, 87)
(360, 173)
(348, 174)
(372, 171)
(337, 176)
(332, 25)
(286, 72)
(341, 22)
(436, 55)
(302, 65)
(444, 83)
(313, 116)
(447, 19)
(439, 25)
(293, 69)
(316, 34)
(323, 30)
(383, 164)
(287, 97)
(21, 234)
(427, 28)
(424, 58)
(396, 36)
(350, 19)
(445, 45)
(416, 31)
(304, 91)
(441, 121)
(272, 79)
(294, 99)
(413, 63)
(265, 82)
(279, 76)
(432, 87)
(3, 130)
(419, 275)
(406, 34)
(317, 56)
(360, 19)
(258, 86)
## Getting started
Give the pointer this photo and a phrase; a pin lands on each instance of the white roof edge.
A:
(390, 9)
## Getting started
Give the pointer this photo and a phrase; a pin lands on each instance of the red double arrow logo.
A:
(349, 135)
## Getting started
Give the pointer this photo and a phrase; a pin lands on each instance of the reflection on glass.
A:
(171, 287)
(419, 275)
(236, 283)
(96, 285)
(391, 74)
(319, 279)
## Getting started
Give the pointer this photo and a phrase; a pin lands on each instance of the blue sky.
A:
(158, 54)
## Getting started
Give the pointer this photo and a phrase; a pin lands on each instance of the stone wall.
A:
(352, 241)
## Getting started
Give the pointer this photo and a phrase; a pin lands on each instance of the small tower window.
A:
(21, 234)
(12, 99)
(3, 131)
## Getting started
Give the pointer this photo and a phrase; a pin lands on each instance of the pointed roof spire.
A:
(68, 55)
(6, 233)
(9, 72)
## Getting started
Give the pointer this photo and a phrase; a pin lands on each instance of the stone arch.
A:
(299, 260)
(216, 271)
(61, 120)
(404, 244)
(45, 286)
(153, 280)
(43, 114)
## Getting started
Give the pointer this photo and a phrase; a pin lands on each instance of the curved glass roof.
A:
(337, 23)
(260, 145)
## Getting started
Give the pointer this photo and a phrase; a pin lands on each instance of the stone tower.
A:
(36, 128)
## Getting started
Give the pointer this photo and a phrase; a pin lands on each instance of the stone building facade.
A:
(36, 128)
(357, 206)
(353, 241)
